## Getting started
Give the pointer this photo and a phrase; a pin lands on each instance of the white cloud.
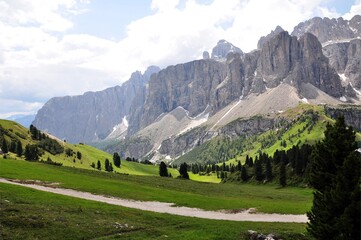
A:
(20, 107)
(38, 60)
(355, 9)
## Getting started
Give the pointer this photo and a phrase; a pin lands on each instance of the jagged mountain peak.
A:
(330, 29)
(223, 47)
(265, 39)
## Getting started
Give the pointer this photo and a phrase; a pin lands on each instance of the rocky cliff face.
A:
(190, 85)
(265, 39)
(92, 116)
(345, 58)
(330, 30)
(352, 115)
(212, 85)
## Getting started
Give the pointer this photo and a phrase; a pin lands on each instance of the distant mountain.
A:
(24, 120)
(93, 115)
(330, 30)
(163, 114)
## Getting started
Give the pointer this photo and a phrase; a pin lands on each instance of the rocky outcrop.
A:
(352, 115)
(330, 30)
(285, 58)
(265, 39)
(345, 58)
(91, 116)
(190, 85)
(220, 51)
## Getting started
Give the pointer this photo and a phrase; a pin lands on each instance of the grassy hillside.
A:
(306, 125)
(13, 131)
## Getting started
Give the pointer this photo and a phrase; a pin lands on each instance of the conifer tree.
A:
(4, 146)
(258, 173)
(283, 177)
(163, 171)
(19, 148)
(116, 159)
(244, 174)
(334, 172)
(183, 171)
(269, 173)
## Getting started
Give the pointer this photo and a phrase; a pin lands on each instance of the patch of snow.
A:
(343, 99)
(168, 157)
(305, 100)
(357, 92)
(343, 77)
(125, 121)
(280, 111)
(353, 29)
(255, 73)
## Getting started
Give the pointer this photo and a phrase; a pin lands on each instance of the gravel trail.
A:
(161, 207)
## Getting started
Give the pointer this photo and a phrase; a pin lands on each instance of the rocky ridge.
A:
(93, 115)
(203, 98)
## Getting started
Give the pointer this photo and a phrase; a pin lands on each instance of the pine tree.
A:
(283, 177)
(4, 146)
(258, 173)
(269, 173)
(334, 172)
(19, 148)
(12, 147)
(99, 165)
(163, 171)
(116, 159)
(107, 165)
(183, 171)
(244, 174)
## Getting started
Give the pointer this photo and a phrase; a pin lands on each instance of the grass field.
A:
(266, 198)
(31, 214)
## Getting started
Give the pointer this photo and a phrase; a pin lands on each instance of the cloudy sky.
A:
(66, 47)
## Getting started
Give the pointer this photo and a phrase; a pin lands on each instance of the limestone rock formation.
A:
(91, 116)
(330, 30)
(220, 51)
(265, 39)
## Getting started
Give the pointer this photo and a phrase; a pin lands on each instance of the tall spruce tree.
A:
(183, 171)
(283, 176)
(19, 148)
(334, 172)
(116, 159)
(163, 171)
(4, 146)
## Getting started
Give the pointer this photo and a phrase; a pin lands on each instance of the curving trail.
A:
(161, 207)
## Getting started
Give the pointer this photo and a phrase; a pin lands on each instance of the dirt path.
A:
(162, 207)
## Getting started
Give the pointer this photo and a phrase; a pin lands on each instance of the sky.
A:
(68, 47)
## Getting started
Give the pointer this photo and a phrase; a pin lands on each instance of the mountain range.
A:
(165, 113)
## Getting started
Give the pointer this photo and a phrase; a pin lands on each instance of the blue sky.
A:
(67, 47)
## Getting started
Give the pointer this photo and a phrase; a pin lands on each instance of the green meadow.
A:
(210, 196)
(30, 214)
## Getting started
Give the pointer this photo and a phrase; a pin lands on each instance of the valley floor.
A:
(169, 208)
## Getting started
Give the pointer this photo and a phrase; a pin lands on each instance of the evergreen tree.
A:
(19, 148)
(99, 165)
(163, 171)
(244, 174)
(31, 152)
(78, 155)
(4, 146)
(334, 172)
(107, 165)
(269, 173)
(283, 177)
(116, 159)
(258, 173)
(12, 147)
(183, 171)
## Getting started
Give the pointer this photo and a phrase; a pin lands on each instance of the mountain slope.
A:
(93, 115)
